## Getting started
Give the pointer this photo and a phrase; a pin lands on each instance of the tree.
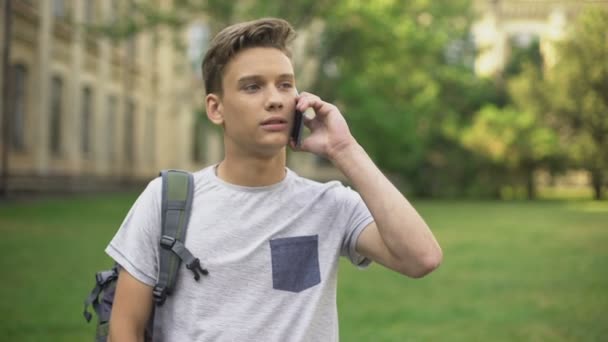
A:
(527, 93)
(146, 14)
(516, 139)
(578, 93)
(402, 73)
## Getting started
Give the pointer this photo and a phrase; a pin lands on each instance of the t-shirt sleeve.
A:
(357, 217)
(135, 245)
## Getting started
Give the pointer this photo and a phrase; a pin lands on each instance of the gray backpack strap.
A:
(102, 298)
(103, 286)
(177, 193)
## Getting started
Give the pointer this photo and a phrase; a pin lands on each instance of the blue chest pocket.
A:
(295, 263)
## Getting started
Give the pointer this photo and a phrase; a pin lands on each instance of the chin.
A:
(276, 143)
(277, 147)
(274, 147)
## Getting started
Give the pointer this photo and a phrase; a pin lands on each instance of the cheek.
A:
(239, 121)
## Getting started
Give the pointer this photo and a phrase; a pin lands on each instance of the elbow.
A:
(426, 264)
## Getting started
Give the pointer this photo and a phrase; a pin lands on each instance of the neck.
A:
(252, 171)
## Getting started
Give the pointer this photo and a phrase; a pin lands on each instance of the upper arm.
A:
(132, 308)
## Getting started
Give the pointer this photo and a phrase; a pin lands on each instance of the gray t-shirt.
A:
(272, 254)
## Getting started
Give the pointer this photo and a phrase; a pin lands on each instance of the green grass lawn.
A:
(512, 271)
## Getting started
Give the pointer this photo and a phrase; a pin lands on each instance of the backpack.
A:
(177, 193)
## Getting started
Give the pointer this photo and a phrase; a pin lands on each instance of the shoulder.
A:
(154, 189)
(150, 197)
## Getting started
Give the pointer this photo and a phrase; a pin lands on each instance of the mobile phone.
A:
(298, 126)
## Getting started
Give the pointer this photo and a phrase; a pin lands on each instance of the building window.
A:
(59, 10)
(131, 49)
(114, 11)
(89, 11)
(18, 107)
(56, 115)
(199, 36)
(129, 133)
(150, 136)
(132, 39)
(111, 127)
(85, 129)
(27, 2)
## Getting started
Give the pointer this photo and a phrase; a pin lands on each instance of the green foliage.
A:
(146, 15)
(401, 73)
(570, 97)
(521, 56)
(510, 136)
(398, 70)
(404, 82)
(578, 94)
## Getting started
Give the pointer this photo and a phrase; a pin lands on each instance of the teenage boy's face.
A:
(258, 100)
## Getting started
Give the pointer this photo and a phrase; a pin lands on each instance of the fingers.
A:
(309, 114)
(293, 146)
(308, 100)
(320, 107)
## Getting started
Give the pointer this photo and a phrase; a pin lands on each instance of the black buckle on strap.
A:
(104, 277)
(99, 279)
(160, 294)
(194, 266)
(167, 241)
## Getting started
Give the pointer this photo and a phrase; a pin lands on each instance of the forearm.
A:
(403, 231)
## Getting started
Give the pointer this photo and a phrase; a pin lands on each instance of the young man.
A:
(270, 239)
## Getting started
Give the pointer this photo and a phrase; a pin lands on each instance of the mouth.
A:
(274, 121)
(275, 124)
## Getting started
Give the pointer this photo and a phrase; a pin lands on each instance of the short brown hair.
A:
(266, 32)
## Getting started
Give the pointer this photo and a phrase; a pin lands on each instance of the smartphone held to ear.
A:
(298, 125)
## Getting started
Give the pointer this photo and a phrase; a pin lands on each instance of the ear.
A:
(215, 109)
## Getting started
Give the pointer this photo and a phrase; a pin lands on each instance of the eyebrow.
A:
(257, 78)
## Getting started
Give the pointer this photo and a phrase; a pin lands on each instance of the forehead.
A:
(269, 62)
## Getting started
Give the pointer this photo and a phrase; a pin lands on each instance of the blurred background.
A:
(494, 99)
(490, 115)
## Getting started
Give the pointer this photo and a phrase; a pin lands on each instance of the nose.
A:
(275, 100)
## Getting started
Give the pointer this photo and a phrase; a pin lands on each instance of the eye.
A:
(250, 88)
(286, 85)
